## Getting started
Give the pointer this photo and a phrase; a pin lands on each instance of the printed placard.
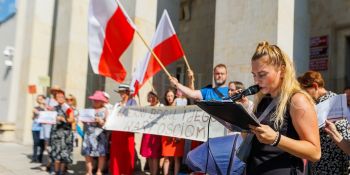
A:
(47, 117)
(87, 115)
(332, 109)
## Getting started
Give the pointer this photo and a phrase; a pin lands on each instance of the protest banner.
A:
(332, 109)
(189, 122)
(47, 117)
(87, 115)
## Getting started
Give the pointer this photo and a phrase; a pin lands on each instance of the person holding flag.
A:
(216, 92)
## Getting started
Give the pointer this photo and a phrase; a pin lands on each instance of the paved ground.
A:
(15, 160)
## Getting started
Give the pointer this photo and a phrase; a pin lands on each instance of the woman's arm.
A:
(191, 93)
(337, 137)
(70, 116)
(190, 76)
(35, 113)
(304, 120)
(101, 121)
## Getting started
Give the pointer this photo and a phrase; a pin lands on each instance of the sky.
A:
(7, 9)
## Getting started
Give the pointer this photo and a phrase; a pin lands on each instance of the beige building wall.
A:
(31, 60)
(240, 25)
(332, 18)
(7, 35)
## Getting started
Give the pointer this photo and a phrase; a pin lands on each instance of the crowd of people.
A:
(288, 140)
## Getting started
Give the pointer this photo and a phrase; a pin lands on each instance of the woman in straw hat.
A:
(122, 149)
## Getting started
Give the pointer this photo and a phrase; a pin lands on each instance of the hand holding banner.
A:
(47, 117)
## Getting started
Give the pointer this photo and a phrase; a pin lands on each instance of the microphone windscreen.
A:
(252, 90)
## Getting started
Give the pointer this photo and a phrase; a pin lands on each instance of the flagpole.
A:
(138, 97)
(188, 65)
(154, 54)
(144, 41)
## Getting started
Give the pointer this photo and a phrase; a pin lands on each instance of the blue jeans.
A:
(38, 145)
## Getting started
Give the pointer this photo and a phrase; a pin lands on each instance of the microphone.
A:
(249, 91)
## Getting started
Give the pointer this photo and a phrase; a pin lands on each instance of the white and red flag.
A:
(166, 45)
(110, 33)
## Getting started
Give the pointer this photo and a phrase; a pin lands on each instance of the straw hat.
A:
(123, 87)
(55, 89)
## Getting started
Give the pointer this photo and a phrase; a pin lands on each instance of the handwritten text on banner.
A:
(188, 122)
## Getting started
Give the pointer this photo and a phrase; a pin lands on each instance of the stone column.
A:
(33, 36)
(70, 61)
(240, 25)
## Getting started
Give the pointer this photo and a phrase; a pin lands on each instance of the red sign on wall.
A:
(319, 53)
(318, 64)
(31, 89)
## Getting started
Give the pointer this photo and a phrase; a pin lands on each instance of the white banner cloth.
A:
(189, 122)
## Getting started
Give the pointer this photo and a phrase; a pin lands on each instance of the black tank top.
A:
(268, 160)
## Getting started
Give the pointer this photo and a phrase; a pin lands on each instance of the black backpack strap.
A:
(217, 92)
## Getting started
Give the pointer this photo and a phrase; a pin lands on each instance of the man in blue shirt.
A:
(217, 92)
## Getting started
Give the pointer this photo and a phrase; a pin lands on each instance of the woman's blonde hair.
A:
(289, 85)
(74, 100)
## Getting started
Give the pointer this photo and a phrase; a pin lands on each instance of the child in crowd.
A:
(36, 129)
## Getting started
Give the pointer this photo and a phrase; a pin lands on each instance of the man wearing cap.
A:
(122, 151)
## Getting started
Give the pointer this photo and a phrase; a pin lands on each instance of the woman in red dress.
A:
(151, 145)
(122, 150)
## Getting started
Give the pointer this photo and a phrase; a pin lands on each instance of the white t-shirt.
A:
(180, 102)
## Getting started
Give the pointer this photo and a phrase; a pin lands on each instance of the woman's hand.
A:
(50, 108)
(190, 75)
(264, 133)
(35, 111)
(333, 132)
(173, 81)
(60, 118)
(99, 121)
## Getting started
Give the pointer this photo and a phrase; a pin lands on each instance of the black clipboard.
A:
(229, 113)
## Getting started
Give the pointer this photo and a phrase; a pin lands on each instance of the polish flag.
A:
(110, 33)
(165, 45)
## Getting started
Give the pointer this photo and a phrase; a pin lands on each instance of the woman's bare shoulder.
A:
(300, 100)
